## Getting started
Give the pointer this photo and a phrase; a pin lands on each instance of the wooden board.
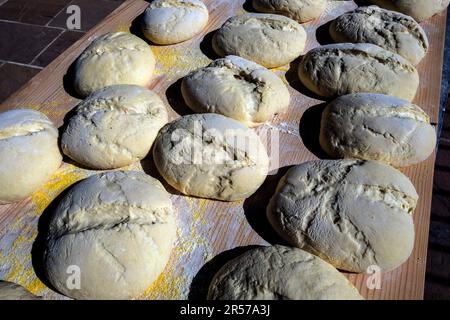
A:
(208, 230)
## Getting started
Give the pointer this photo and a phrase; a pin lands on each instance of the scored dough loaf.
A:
(29, 153)
(377, 127)
(418, 9)
(211, 156)
(114, 127)
(299, 10)
(339, 69)
(12, 291)
(236, 88)
(280, 273)
(390, 30)
(174, 21)
(118, 228)
(352, 213)
(114, 58)
(268, 39)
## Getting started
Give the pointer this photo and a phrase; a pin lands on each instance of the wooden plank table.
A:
(208, 230)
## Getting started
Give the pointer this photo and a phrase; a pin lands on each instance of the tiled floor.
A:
(35, 33)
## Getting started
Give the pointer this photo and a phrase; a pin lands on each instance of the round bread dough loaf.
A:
(237, 88)
(299, 10)
(280, 273)
(418, 9)
(114, 127)
(12, 291)
(390, 30)
(211, 156)
(115, 230)
(377, 127)
(268, 39)
(114, 58)
(352, 213)
(29, 153)
(174, 21)
(339, 69)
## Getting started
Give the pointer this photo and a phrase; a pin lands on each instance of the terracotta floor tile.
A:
(38, 12)
(13, 76)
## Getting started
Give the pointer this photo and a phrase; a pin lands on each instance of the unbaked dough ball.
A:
(419, 9)
(114, 58)
(352, 213)
(173, 21)
(299, 10)
(115, 231)
(114, 127)
(211, 156)
(268, 39)
(12, 291)
(236, 88)
(280, 273)
(29, 153)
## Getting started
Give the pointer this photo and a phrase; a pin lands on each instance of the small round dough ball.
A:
(29, 153)
(116, 231)
(114, 127)
(12, 291)
(114, 58)
(236, 88)
(268, 39)
(354, 214)
(299, 10)
(211, 156)
(280, 273)
(173, 21)
(418, 9)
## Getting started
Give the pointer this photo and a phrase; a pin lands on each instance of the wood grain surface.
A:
(212, 232)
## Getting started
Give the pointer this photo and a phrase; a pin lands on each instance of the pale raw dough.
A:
(114, 127)
(390, 30)
(118, 228)
(299, 10)
(280, 273)
(114, 58)
(173, 21)
(339, 69)
(377, 127)
(211, 156)
(419, 9)
(236, 88)
(29, 153)
(267, 39)
(354, 214)
(12, 291)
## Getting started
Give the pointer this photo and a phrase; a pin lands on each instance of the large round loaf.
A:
(268, 39)
(418, 9)
(390, 30)
(352, 213)
(280, 273)
(339, 69)
(29, 153)
(377, 127)
(110, 236)
(12, 291)
(299, 10)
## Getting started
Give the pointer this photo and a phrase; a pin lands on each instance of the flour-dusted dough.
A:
(29, 153)
(390, 30)
(174, 21)
(280, 273)
(211, 156)
(114, 58)
(117, 229)
(236, 88)
(114, 127)
(377, 127)
(339, 69)
(12, 291)
(268, 39)
(418, 9)
(299, 10)
(352, 213)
